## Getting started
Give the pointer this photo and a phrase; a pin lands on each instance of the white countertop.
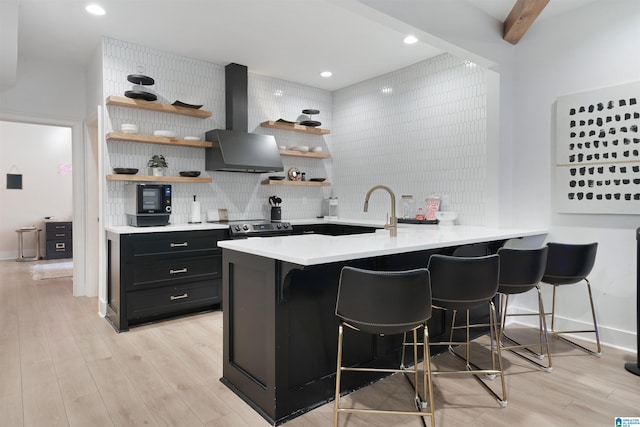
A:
(127, 229)
(312, 249)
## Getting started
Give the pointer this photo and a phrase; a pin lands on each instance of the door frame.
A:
(82, 285)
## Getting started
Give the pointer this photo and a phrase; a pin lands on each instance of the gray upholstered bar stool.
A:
(569, 264)
(520, 271)
(386, 303)
(464, 283)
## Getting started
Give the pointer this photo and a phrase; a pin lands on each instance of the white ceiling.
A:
(288, 39)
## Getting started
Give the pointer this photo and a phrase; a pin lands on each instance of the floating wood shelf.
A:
(146, 178)
(295, 128)
(122, 101)
(149, 139)
(309, 154)
(296, 183)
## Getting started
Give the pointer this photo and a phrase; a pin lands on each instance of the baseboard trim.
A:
(610, 337)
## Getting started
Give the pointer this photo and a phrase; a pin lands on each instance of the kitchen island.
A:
(279, 293)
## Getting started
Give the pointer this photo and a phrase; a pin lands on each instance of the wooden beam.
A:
(520, 18)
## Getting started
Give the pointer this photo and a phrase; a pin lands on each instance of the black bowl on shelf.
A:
(310, 123)
(317, 179)
(190, 174)
(276, 178)
(125, 171)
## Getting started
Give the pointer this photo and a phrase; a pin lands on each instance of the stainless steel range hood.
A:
(234, 148)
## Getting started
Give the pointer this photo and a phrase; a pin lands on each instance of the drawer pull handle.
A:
(179, 245)
(182, 270)
(60, 226)
(175, 297)
(60, 234)
(60, 245)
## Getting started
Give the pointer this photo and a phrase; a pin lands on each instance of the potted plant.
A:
(157, 163)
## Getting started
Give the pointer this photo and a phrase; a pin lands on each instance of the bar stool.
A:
(568, 264)
(386, 303)
(463, 283)
(520, 271)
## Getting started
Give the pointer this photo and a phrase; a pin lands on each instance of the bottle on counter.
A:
(420, 214)
(333, 208)
(407, 206)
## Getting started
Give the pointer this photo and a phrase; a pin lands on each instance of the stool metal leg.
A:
(543, 334)
(595, 331)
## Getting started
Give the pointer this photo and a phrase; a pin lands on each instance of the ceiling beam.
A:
(520, 18)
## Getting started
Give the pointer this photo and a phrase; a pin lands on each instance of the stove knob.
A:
(237, 228)
(286, 225)
(279, 226)
(245, 227)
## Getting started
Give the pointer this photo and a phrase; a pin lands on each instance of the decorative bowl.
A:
(446, 217)
(129, 128)
(301, 148)
(125, 171)
(165, 133)
(191, 174)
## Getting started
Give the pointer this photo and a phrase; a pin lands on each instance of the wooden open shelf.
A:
(296, 183)
(309, 154)
(147, 178)
(123, 101)
(295, 128)
(150, 139)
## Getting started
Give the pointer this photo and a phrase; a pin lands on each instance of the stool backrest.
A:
(521, 269)
(384, 302)
(463, 282)
(568, 263)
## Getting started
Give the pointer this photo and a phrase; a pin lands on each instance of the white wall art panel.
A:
(598, 151)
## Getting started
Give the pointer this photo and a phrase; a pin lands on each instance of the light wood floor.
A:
(61, 364)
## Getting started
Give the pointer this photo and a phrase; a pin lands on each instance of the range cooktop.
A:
(243, 228)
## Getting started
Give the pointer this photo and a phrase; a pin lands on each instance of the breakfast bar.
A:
(278, 301)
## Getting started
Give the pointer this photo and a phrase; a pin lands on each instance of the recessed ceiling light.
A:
(326, 74)
(410, 39)
(95, 9)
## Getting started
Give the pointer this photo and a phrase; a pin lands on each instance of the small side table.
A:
(21, 232)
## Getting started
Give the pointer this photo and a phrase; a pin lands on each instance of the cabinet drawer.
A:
(154, 303)
(175, 242)
(59, 249)
(58, 235)
(56, 227)
(174, 270)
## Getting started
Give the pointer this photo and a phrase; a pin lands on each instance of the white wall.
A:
(594, 47)
(42, 154)
(45, 90)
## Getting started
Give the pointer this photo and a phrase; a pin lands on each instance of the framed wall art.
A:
(598, 151)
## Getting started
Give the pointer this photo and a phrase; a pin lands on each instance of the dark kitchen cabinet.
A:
(59, 239)
(152, 276)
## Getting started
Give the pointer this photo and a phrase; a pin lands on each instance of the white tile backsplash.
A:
(419, 130)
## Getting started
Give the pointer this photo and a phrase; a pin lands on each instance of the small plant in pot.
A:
(158, 164)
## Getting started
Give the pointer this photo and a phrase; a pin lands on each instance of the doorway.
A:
(52, 185)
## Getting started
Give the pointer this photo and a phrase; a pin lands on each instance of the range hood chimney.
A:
(234, 148)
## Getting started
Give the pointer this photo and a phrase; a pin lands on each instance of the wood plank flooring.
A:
(61, 364)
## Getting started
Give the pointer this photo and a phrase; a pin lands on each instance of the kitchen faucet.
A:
(392, 226)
